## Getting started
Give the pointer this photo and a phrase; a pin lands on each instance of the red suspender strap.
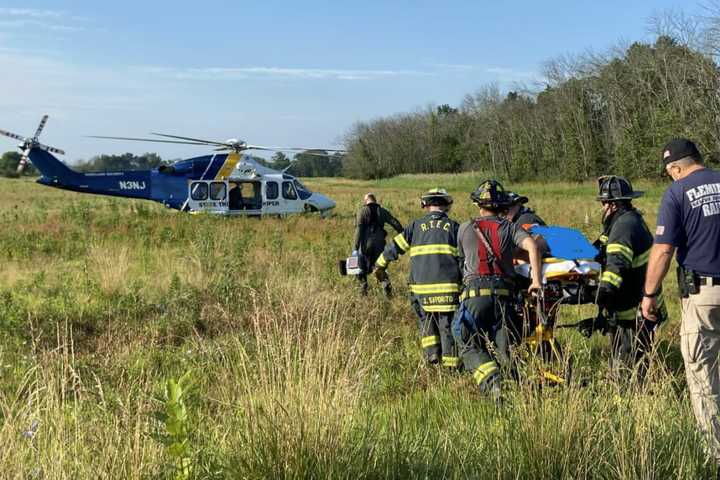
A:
(488, 248)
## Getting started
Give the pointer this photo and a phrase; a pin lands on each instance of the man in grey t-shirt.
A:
(485, 248)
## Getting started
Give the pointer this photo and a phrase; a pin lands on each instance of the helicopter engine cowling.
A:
(183, 167)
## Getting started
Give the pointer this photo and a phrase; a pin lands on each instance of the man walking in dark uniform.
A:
(689, 222)
(486, 318)
(370, 238)
(431, 242)
(624, 251)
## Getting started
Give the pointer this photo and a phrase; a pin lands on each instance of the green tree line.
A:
(125, 161)
(595, 114)
(9, 163)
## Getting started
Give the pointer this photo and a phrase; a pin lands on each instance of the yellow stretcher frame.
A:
(541, 343)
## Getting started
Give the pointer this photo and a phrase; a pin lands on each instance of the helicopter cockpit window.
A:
(199, 191)
(288, 191)
(218, 191)
(271, 190)
(302, 190)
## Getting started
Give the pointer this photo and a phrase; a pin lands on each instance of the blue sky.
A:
(272, 72)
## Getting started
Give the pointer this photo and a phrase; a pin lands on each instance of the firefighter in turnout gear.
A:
(624, 251)
(431, 242)
(521, 215)
(486, 320)
(370, 238)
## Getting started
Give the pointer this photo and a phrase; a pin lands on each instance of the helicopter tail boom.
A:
(135, 184)
(51, 167)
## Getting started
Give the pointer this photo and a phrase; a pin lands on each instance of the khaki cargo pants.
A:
(700, 346)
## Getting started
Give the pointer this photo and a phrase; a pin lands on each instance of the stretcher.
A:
(570, 276)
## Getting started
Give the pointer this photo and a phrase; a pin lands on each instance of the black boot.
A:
(387, 289)
(363, 284)
(492, 387)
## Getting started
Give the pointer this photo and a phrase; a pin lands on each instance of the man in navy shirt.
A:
(689, 222)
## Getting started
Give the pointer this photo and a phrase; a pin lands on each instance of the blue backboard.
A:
(567, 243)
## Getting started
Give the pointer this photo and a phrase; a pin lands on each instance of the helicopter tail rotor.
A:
(28, 144)
(40, 128)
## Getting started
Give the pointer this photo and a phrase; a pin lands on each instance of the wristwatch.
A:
(650, 295)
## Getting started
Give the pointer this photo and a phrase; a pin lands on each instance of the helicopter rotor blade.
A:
(12, 135)
(266, 149)
(316, 154)
(23, 161)
(199, 140)
(292, 149)
(135, 139)
(41, 126)
(49, 149)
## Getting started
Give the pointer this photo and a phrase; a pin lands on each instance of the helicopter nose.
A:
(322, 202)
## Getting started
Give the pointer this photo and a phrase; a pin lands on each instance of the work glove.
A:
(586, 327)
(601, 323)
(606, 298)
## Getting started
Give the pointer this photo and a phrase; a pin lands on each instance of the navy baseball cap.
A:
(679, 148)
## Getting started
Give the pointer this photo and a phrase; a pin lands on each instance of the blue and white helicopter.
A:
(225, 183)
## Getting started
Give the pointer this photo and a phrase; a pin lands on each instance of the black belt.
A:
(714, 281)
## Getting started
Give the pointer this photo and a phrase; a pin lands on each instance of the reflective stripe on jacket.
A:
(625, 244)
(431, 243)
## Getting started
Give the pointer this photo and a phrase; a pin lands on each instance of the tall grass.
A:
(295, 375)
(61, 424)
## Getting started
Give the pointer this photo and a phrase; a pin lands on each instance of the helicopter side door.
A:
(272, 201)
(290, 199)
(208, 196)
(281, 197)
(245, 197)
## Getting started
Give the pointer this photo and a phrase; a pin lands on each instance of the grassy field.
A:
(286, 371)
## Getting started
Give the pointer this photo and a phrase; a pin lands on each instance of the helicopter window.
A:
(288, 191)
(271, 190)
(199, 191)
(302, 190)
(217, 191)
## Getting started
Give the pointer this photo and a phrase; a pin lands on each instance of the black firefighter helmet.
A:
(436, 196)
(613, 188)
(491, 193)
(516, 198)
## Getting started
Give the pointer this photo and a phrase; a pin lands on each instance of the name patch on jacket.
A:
(439, 300)
(440, 224)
